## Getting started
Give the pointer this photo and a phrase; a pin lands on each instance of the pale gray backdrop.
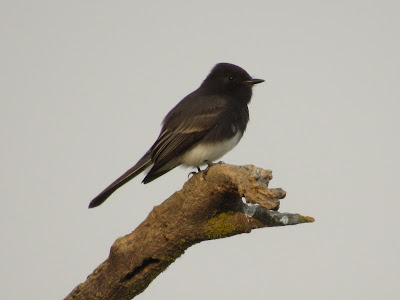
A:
(85, 85)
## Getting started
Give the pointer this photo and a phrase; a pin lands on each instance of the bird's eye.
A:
(230, 78)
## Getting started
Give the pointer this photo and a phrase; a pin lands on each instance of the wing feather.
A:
(183, 128)
(180, 139)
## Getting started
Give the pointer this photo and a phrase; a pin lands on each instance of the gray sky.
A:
(85, 85)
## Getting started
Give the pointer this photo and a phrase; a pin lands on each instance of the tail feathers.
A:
(140, 166)
(157, 171)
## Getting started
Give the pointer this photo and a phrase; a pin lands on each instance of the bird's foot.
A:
(194, 172)
(210, 164)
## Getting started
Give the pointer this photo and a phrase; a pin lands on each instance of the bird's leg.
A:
(209, 163)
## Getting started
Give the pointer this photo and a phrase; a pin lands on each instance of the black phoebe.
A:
(203, 126)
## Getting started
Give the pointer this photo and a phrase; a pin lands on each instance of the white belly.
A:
(196, 156)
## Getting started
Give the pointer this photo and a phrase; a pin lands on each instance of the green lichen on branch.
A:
(223, 225)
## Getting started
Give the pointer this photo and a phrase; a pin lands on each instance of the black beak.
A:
(254, 81)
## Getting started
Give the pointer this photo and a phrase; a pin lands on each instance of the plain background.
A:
(84, 88)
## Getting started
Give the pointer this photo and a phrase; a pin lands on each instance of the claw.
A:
(210, 164)
(194, 172)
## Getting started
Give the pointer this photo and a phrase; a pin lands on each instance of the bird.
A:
(201, 128)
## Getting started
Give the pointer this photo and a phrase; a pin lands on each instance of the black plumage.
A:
(204, 125)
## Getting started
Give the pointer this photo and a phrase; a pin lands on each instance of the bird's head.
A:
(230, 79)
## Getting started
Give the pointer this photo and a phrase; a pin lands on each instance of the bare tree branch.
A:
(209, 206)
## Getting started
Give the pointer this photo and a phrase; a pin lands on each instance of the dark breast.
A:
(234, 119)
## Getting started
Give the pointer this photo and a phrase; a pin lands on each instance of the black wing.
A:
(187, 124)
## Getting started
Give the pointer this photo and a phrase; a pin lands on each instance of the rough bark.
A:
(209, 206)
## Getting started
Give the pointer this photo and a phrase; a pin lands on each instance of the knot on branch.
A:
(249, 182)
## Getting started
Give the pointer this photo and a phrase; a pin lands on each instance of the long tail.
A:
(140, 166)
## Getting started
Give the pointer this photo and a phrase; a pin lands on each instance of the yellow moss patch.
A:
(222, 225)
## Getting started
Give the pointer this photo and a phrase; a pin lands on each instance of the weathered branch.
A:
(209, 206)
